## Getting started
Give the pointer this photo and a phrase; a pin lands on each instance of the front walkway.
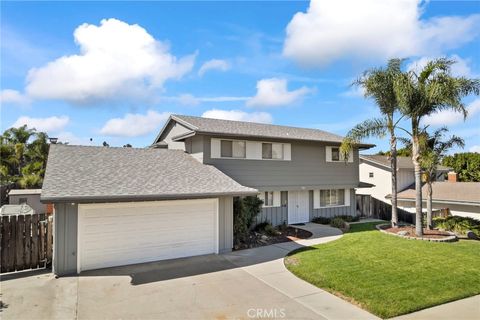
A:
(267, 265)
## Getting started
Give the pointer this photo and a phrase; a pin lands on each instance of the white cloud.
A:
(9, 96)
(274, 92)
(475, 149)
(50, 124)
(116, 60)
(449, 117)
(214, 64)
(354, 92)
(134, 125)
(459, 69)
(72, 139)
(331, 30)
(238, 115)
(191, 100)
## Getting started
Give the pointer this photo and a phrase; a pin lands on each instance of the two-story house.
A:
(117, 206)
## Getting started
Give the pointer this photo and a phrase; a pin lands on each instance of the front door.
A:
(298, 208)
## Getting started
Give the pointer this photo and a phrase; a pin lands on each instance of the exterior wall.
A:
(307, 168)
(225, 224)
(405, 178)
(65, 238)
(382, 180)
(275, 215)
(194, 146)
(334, 211)
(33, 200)
(174, 129)
(278, 215)
(455, 209)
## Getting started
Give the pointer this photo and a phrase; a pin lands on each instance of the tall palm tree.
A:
(378, 84)
(434, 148)
(433, 89)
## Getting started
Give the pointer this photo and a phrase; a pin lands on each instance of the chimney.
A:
(452, 176)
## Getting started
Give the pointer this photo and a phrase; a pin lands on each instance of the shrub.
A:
(458, 224)
(283, 227)
(321, 220)
(245, 211)
(338, 222)
(260, 227)
(349, 218)
(270, 230)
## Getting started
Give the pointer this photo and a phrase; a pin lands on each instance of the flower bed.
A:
(408, 232)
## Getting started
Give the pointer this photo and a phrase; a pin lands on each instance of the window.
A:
(272, 151)
(268, 199)
(370, 174)
(335, 154)
(333, 197)
(22, 200)
(232, 149)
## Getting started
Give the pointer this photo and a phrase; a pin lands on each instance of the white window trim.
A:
(316, 199)
(328, 155)
(232, 157)
(215, 144)
(277, 201)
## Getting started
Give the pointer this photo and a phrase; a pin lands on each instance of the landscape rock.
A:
(403, 233)
(471, 235)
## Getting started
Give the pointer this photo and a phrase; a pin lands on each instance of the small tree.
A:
(245, 210)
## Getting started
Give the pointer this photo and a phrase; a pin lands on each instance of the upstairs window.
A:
(370, 174)
(272, 151)
(232, 149)
(335, 154)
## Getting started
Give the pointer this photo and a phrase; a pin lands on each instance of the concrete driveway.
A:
(247, 284)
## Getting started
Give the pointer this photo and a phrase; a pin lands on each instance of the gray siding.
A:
(275, 215)
(308, 168)
(225, 222)
(65, 239)
(33, 200)
(174, 129)
(335, 211)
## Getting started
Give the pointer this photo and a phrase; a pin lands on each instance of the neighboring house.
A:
(27, 196)
(461, 198)
(117, 206)
(15, 209)
(375, 170)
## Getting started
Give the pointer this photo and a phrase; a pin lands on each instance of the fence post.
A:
(28, 241)
(20, 244)
(5, 242)
(34, 241)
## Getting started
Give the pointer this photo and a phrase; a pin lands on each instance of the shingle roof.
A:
(84, 173)
(402, 162)
(252, 129)
(464, 192)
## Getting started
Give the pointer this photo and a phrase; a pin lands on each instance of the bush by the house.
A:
(260, 227)
(459, 225)
(325, 220)
(321, 220)
(271, 231)
(245, 210)
(339, 223)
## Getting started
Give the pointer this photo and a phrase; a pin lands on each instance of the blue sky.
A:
(113, 71)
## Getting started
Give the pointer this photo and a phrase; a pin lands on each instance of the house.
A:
(376, 170)
(117, 206)
(27, 196)
(461, 198)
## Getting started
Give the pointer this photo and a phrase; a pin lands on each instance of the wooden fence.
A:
(371, 207)
(26, 242)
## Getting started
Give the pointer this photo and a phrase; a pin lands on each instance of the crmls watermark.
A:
(260, 313)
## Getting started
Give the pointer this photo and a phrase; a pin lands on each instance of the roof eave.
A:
(132, 198)
(174, 118)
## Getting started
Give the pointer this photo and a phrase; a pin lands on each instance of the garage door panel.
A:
(118, 234)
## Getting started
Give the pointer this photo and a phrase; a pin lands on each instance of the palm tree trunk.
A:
(418, 182)
(393, 165)
(429, 205)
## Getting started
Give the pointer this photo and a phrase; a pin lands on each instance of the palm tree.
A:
(433, 89)
(433, 151)
(379, 84)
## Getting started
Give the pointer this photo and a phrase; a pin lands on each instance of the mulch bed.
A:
(434, 234)
(259, 239)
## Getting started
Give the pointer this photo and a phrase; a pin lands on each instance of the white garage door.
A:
(114, 234)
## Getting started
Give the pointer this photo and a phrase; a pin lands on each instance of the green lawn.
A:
(387, 275)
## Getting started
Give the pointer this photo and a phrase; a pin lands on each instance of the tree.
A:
(402, 152)
(466, 165)
(433, 149)
(432, 90)
(379, 84)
